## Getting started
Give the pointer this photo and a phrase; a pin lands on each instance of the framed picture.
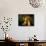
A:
(25, 19)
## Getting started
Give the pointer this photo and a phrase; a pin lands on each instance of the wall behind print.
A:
(11, 8)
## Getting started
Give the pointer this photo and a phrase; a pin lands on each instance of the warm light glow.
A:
(27, 20)
(7, 35)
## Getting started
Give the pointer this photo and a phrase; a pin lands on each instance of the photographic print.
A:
(25, 19)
